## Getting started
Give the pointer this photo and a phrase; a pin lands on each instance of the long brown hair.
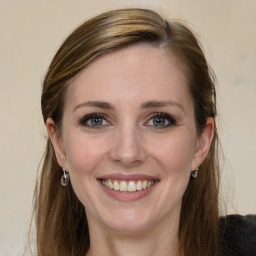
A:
(61, 224)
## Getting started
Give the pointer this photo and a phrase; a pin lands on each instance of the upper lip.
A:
(128, 177)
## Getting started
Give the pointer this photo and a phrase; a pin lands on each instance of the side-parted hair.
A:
(60, 218)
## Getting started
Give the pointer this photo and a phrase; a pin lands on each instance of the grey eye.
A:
(95, 121)
(159, 121)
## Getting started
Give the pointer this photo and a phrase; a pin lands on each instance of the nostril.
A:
(127, 147)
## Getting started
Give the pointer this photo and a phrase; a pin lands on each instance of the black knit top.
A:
(238, 235)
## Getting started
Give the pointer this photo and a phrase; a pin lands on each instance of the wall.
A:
(31, 31)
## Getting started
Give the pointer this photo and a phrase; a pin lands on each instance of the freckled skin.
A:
(127, 142)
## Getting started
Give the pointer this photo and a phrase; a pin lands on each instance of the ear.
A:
(203, 143)
(57, 143)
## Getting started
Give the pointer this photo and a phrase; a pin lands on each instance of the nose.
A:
(128, 147)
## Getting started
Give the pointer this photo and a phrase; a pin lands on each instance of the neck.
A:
(155, 241)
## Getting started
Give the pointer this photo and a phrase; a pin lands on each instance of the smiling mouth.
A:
(128, 186)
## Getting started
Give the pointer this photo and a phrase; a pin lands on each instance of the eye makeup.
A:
(158, 120)
(161, 120)
(94, 120)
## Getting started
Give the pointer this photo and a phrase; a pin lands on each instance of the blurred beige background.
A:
(31, 32)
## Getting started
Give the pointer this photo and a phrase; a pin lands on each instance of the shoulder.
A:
(238, 235)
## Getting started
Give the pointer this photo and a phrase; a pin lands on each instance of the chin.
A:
(131, 220)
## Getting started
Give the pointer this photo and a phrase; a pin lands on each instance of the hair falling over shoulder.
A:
(60, 218)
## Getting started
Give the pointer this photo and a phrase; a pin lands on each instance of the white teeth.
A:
(123, 186)
(139, 185)
(109, 184)
(131, 186)
(116, 185)
(127, 186)
(144, 184)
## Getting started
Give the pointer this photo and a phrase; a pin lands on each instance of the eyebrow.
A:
(97, 104)
(148, 104)
(154, 104)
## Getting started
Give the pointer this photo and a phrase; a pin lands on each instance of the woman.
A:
(131, 164)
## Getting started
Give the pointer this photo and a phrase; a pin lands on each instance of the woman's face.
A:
(129, 139)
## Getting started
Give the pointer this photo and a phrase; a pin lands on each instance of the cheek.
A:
(83, 154)
(176, 153)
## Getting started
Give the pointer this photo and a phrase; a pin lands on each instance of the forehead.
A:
(137, 72)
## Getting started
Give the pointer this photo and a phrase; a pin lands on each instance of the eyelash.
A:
(170, 120)
(83, 121)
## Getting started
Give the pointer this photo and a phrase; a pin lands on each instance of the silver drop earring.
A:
(64, 178)
(194, 173)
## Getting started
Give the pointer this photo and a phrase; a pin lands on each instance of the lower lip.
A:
(127, 196)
